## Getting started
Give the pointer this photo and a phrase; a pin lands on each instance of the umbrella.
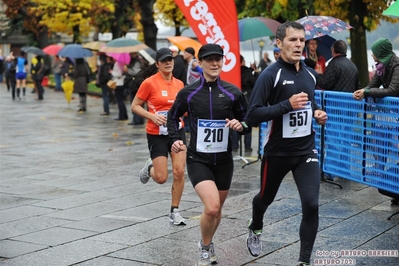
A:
(52, 49)
(123, 58)
(255, 27)
(123, 45)
(183, 42)
(148, 54)
(74, 51)
(33, 50)
(67, 86)
(94, 46)
(324, 44)
(317, 26)
(393, 10)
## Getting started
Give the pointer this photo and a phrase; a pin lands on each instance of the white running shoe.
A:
(144, 173)
(254, 244)
(213, 259)
(176, 219)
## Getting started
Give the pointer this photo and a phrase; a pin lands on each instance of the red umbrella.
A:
(52, 49)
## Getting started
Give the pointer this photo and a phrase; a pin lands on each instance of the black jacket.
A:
(390, 81)
(179, 70)
(247, 81)
(341, 74)
(103, 74)
(9, 69)
(270, 102)
(212, 101)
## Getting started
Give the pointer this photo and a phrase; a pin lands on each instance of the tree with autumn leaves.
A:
(362, 15)
(79, 17)
(73, 17)
(169, 14)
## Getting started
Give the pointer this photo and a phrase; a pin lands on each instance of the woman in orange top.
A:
(159, 92)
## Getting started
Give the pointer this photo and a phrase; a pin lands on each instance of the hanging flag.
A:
(216, 22)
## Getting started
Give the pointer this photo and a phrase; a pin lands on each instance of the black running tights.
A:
(306, 172)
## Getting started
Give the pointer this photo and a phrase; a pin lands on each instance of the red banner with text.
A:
(215, 21)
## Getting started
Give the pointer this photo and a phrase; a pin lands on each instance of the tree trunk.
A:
(358, 42)
(76, 34)
(150, 30)
(119, 18)
(43, 38)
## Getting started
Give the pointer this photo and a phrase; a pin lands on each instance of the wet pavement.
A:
(70, 195)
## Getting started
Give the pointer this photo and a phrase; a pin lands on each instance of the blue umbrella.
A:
(324, 44)
(74, 51)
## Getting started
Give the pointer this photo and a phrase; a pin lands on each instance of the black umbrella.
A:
(33, 50)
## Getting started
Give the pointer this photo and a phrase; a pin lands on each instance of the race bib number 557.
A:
(298, 123)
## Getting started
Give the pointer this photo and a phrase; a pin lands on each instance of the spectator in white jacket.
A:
(119, 77)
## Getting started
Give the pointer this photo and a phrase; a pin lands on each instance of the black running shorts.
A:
(221, 174)
(160, 145)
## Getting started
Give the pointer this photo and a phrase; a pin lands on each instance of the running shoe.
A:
(300, 263)
(254, 244)
(204, 259)
(144, 173)
(213, 259)
(176, 218)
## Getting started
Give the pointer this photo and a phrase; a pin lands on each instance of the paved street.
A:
(70, 195)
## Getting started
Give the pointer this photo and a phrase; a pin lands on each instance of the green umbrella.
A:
(123, 45)
(393, 10)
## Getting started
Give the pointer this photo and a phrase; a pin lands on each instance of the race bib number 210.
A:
(212, 136)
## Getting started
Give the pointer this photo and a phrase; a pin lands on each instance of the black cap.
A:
(210, 49)
(190, 50)
(163, 53)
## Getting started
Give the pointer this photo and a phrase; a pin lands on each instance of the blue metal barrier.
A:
(360, 140)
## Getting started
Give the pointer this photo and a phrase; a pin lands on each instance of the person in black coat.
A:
(180, 69)
(341, 73)
(248, 79)
(37, 72)
(67, 68)
(103, 76)
(9, 74)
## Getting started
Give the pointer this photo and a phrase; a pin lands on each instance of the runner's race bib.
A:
(298, 123)
(163, 129)
(212, 136)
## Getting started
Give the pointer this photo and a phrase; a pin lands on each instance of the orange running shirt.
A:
(159, 95)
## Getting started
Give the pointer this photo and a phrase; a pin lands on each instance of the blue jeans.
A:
(105, 95)
(57, 78)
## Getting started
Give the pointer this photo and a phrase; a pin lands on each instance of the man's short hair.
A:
(241, 59)
(281, 30)
(190, 50)
(340, 47)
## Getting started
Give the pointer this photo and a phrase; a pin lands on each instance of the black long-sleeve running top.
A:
(208, 105)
